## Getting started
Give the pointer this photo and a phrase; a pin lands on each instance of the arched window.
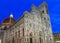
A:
(23, 31)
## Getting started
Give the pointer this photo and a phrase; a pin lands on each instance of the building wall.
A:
(33, 27)
(56, 37)
(12, 33)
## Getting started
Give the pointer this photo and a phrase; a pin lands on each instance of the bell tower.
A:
(44, 7)
(46, 20)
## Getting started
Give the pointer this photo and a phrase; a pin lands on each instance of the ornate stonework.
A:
(32, 27)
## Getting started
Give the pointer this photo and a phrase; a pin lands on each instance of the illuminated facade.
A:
(32, 27)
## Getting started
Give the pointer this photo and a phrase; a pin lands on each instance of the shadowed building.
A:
(5, 25)
(32, 27)
(56, 37)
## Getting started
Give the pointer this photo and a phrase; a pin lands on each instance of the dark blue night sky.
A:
(17, 7)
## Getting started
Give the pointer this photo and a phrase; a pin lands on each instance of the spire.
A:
(33, 6)
(11, 15)
(44, 3)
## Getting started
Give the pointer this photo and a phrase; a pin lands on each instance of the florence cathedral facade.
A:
(32, 27)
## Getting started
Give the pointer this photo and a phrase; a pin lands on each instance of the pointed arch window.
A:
(23, 31)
